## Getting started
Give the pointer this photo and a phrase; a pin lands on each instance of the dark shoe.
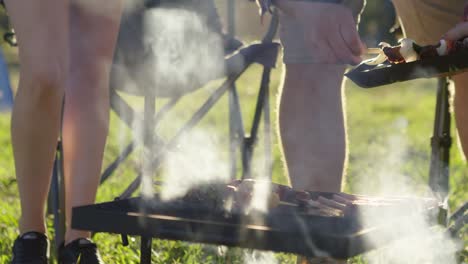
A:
(79, 251)
(31, 248)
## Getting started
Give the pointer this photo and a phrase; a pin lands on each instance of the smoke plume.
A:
(419, 241)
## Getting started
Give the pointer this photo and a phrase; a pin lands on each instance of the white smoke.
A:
(387, 173)
(419, 241)
(261, 193)
(168, 51)
(192, 54)
(259, 257)
(198, 160)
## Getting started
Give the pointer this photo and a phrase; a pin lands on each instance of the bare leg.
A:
(93, 34)
(312, 126)
(41, 28)
(461, 109)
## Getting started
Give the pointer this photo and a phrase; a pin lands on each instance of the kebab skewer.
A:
(408, 50)
(239, 194)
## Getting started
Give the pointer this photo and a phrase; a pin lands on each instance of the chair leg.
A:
(251, 139)
(56, 200)
(233, 138)
(267, 131)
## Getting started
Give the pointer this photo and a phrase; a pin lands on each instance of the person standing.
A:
(65, 52)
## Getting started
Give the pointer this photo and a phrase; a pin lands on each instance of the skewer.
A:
(288, 204)
(373, 51)
(331, 203)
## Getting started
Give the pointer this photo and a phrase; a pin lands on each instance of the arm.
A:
(457, 32)
(460, 30)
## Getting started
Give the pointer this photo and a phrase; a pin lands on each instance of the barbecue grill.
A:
(285, 228)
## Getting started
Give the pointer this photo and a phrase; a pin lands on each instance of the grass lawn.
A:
(389, 132)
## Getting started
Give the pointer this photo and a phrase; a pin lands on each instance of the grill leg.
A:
(145, 248)
(441, 142)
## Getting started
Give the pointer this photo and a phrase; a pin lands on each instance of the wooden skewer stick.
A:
(289, 204)
(375, 51)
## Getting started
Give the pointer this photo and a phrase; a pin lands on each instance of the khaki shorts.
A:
(425, 21)
(293, 35)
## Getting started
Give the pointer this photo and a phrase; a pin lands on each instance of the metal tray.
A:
(372, 76)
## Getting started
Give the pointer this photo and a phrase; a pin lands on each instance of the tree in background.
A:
(378, 19)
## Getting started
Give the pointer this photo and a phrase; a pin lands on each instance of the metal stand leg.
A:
(148, 144)
(459, 222)
(267, 135)
(56, 200)
(251, 139)
(234, 138)
(441, 142)
(145, 248)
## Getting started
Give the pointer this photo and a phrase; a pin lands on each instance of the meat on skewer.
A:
(238, 195)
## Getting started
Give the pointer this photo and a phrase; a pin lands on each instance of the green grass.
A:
(381, 122)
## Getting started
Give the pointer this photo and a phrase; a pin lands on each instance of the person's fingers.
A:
(458, 32)
(351, 37)
(339, 57)
(342, 52)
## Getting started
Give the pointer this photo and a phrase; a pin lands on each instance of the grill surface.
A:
(284, 228)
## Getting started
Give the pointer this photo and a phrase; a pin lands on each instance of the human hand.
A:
(460, 30)
(329, 30)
